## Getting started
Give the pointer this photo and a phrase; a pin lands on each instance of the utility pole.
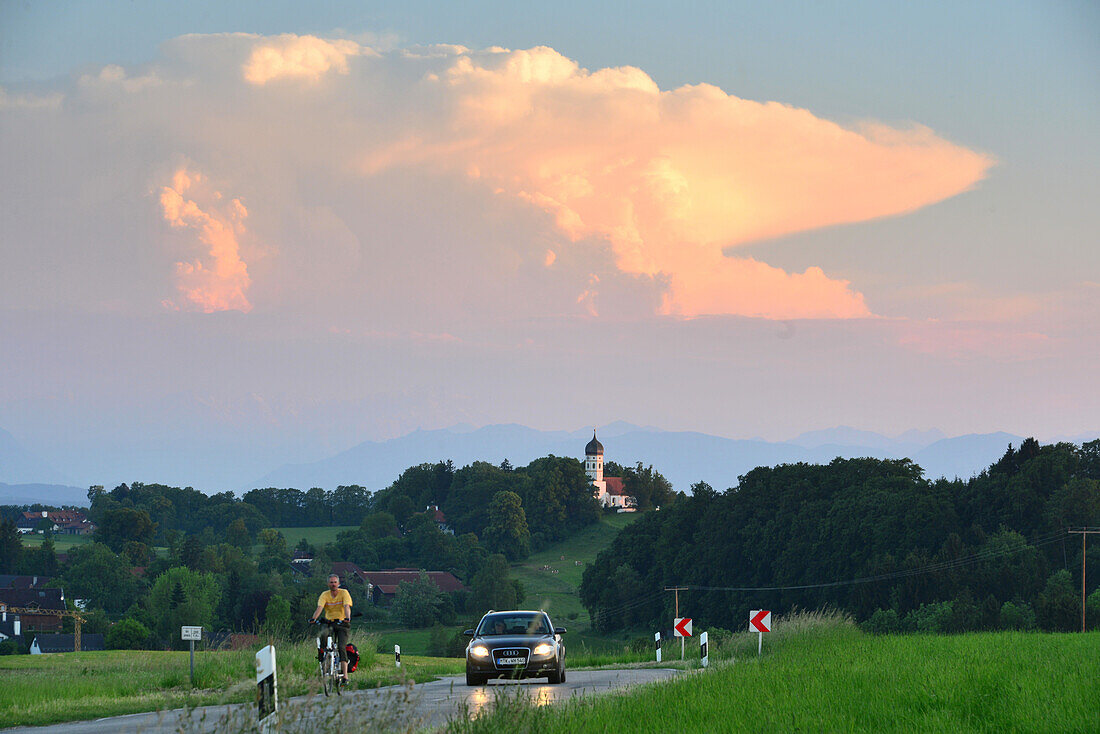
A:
(1085, 532)
(678, 589)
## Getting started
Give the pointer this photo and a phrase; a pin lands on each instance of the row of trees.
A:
(871, 537)
(511, 509)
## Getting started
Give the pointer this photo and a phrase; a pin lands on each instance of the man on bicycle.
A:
(336, 604)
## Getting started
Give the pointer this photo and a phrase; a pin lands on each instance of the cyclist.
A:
(336, 604)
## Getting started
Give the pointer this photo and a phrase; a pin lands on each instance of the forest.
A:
(874, 538)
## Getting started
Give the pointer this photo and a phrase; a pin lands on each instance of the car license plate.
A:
(511, 661)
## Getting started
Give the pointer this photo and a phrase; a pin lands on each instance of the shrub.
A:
(933, 618)
(9, 647)
(127, 634)
(883, 622)
(1016, 616)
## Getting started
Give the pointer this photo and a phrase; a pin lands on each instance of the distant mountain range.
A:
(45, 494)
(684, 457)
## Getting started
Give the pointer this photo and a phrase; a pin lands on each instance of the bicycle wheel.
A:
(336, 682)
(326, 673)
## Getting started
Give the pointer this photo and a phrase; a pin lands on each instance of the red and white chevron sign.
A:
(682, 627)
(760, 620)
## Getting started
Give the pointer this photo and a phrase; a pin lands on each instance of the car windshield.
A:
(514, 623)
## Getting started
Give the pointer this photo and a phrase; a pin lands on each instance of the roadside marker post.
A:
(682, 629)
(657, 640)
(760, 621)
(192, 634)
(267, 690)
(703, 656)
(397, 655)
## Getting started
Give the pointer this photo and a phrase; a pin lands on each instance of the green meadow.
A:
(46, 689)
(552, 576)
(834, 678)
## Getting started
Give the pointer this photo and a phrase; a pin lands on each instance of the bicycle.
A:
(329, 664)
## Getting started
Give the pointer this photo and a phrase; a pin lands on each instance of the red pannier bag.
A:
(353, 657)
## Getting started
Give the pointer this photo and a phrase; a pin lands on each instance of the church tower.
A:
(593, 459)
(593, 467)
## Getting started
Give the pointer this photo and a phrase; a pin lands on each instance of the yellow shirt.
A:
(334, 605)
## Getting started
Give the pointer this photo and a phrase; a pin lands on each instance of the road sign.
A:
(657, 640)
(703, 649)
(267, 692)
(191, 633)
(760, 620)
(682, 627)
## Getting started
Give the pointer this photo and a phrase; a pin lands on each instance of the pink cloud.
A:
(219, 281)
(671, 178)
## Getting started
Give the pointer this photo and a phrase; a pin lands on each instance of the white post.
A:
(704, 654)
(760, 644)
(397, 655)
(657, 639)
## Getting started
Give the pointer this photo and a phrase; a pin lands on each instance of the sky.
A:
(234, 235)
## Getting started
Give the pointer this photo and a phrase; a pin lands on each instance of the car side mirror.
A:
(559, 630)
(468, 633)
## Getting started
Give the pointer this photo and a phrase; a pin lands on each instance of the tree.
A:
(237, 534)
(127, 634)
(507, 531)
(276, 617)
(274, 555)
(180, 597)
(119, 525)
(1059, 604)
(41, 560)
(100, 576)
(491, 586)
(418, 603)
(11, 547)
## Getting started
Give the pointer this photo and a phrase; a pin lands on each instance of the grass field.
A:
(61, 543)
(315, 536)
(557, 592)
(838, 679)
(45, 689)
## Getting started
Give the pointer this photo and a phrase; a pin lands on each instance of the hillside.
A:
(552, 577)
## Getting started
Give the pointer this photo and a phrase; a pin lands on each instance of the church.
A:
(610, 491)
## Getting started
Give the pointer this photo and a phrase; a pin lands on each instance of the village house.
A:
(382, 585)
(41, 599)
(63, 522)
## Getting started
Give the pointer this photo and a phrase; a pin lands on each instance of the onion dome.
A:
(594, 447)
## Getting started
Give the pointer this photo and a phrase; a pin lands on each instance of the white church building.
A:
(610, 491)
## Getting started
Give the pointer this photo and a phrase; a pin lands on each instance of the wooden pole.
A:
(1084, 533)
(76, 635)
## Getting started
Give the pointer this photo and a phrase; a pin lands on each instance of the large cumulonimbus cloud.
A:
(670, 181)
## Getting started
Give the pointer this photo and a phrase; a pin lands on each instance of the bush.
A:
(9, 647)
(933, 618)
(127, 634)
(1016, 616)
(883, 622)
(1092, 610)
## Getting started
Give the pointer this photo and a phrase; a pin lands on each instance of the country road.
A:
(395, 707)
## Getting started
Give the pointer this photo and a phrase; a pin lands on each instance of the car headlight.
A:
(544, 649)
(479, 651)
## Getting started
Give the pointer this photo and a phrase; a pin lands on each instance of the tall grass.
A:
(44, 689)
(820, 673)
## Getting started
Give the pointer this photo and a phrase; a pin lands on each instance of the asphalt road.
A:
(403, 708)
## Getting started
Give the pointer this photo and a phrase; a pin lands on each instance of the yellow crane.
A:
(78, 618)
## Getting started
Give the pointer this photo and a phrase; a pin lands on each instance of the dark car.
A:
(517, 644)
